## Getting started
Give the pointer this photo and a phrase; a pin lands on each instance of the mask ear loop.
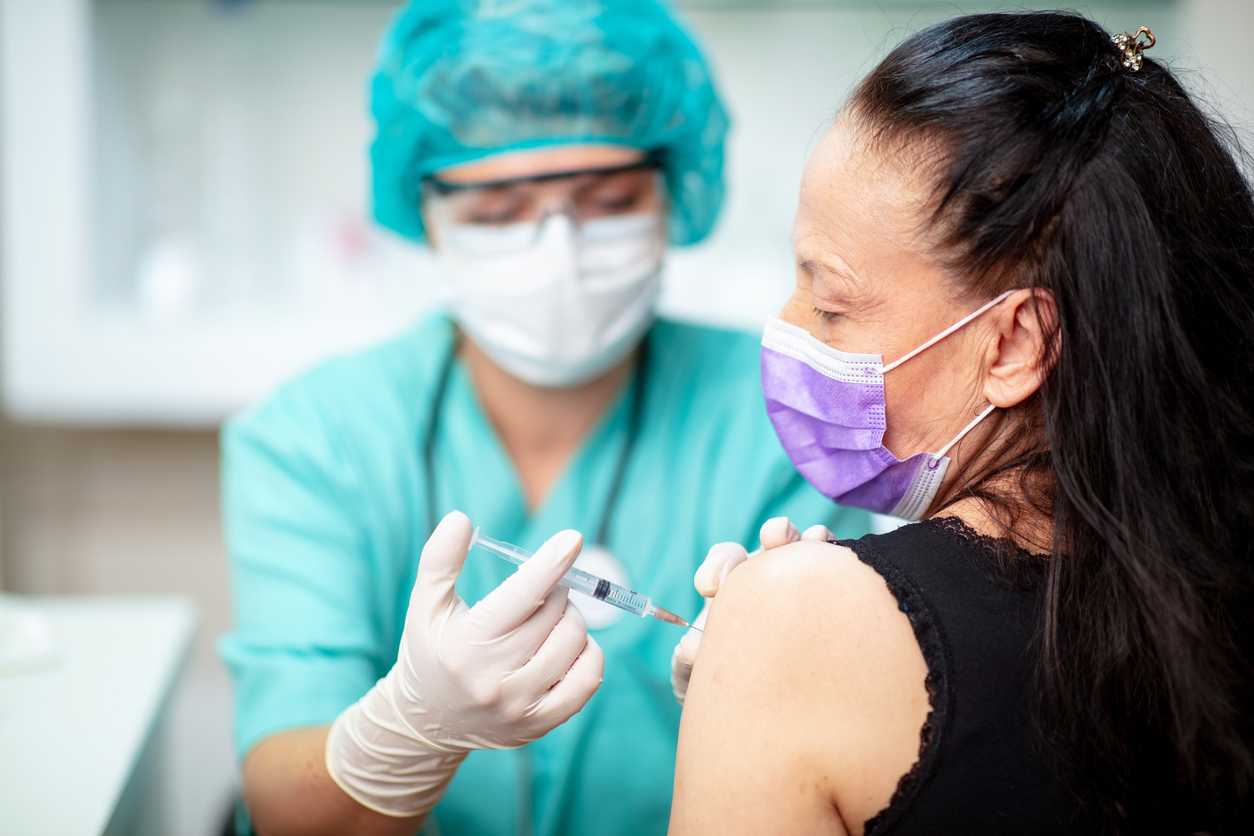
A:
(934, 458)
(943, 334)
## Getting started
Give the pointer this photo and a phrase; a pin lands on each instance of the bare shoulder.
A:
(807, 698)
(809, 588)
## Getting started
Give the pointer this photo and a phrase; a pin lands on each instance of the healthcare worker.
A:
(386, 679)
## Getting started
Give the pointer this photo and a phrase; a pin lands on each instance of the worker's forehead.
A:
(536, 162)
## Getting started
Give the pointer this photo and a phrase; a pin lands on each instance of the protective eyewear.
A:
(511, 212)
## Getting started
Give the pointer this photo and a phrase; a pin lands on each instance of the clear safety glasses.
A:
(511, 213)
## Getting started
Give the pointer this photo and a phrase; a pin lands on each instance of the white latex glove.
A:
(719, 563)
(493, 676)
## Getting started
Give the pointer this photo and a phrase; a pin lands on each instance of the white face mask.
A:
(565, 309)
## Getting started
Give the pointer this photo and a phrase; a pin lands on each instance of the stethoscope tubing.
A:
(634, 422)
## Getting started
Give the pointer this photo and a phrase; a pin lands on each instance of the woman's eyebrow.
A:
(838, 270)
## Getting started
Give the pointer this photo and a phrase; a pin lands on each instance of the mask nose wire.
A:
(550, 209)
(557, 206)
(943, 334)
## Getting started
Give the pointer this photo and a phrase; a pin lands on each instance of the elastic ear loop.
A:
(943, 334)
(934, 458)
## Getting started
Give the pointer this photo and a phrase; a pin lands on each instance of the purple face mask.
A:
(828, 410)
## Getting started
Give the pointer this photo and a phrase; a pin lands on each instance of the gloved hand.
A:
(719, 562)
(493, 676)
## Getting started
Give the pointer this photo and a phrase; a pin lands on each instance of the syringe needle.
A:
(670, 618)
(580, 581)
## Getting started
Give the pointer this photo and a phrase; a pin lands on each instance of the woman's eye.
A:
(828, 316)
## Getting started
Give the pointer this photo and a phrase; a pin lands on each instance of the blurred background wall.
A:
(223, 246)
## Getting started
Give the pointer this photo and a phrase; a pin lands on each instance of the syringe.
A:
(589, 584)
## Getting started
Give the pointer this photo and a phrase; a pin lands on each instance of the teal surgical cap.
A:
(458, 80)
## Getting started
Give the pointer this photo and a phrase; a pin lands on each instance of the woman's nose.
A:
(799, 312)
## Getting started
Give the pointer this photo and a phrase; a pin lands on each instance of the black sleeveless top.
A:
(984, 767)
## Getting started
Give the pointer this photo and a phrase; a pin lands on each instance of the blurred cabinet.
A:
(183, 205)
(79, 752)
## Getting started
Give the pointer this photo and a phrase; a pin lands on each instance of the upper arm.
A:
(305, 642)
(806, 701)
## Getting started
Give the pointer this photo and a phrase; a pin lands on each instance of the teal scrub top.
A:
(325, 513)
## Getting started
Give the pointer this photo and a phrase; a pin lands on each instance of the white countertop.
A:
(71, 736)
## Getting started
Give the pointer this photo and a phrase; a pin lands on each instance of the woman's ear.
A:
(1022, 354)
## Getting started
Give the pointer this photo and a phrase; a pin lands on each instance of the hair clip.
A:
(1132, 46)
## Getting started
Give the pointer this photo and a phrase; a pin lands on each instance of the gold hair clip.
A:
(1132, 46)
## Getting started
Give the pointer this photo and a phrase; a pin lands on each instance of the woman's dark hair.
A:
(1057, 168)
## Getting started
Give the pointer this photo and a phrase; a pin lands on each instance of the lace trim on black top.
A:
(936, 654)
(1009, 565)
(935, 647)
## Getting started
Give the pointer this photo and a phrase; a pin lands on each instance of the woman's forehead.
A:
(864, 217)
(852, 189)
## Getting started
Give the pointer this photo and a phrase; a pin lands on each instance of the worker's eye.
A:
(611, 202)
(616, 195)
(616, 202)
(495, 208)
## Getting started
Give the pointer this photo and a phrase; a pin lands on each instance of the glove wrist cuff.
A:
(373, 756)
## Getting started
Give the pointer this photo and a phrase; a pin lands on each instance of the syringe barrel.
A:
(581, 581)
(576, 579)
(625, 599)
(603, 590)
